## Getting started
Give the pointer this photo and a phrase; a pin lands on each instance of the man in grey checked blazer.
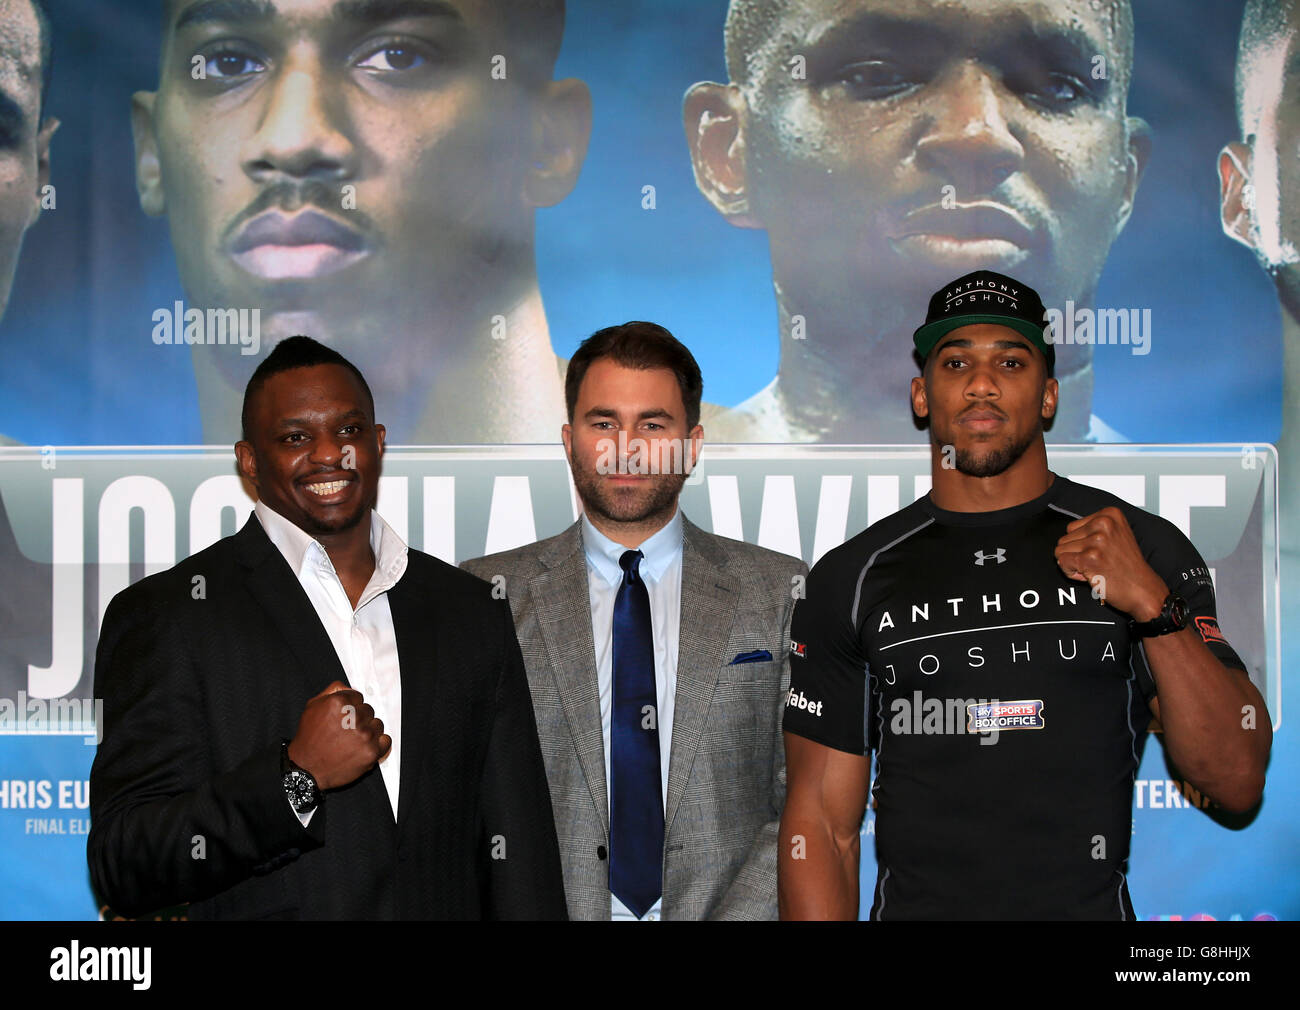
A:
(723, 750)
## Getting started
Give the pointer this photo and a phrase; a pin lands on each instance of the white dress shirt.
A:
(364, 639)
(661, 571)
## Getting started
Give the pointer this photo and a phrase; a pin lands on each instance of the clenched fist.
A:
(338, 739)
(1101, 549)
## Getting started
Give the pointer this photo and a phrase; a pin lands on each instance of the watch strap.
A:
(1172, 617)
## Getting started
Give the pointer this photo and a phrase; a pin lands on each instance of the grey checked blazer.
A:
(726, 778)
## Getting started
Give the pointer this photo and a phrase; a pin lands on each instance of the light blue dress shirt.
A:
(661, 570)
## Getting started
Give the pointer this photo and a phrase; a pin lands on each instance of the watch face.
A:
(1178, 612)
(301, 789)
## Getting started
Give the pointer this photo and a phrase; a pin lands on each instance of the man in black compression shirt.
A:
(1002, 644)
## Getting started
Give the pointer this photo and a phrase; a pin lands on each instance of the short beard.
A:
(342, 526)
(596, 499)
(315, 528)
(321, 529)
(997, 461)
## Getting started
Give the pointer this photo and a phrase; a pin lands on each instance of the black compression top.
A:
(1007, 704)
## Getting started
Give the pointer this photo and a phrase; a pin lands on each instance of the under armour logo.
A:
(1000, 555)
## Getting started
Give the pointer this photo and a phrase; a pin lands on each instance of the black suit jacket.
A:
(205, 668)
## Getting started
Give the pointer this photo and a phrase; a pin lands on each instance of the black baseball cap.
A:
(985, 297)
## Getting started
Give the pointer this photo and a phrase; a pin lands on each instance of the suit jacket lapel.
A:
(418, 630)
(563, 603)
(709, 596)
(280, 597)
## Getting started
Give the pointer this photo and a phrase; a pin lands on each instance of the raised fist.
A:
(338, 739)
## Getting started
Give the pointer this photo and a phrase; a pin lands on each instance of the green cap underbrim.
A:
(931, 333)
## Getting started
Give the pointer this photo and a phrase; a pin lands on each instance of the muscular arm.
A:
(818, 848)
(1216, 726)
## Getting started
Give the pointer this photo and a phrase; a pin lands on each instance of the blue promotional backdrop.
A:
(777, 226)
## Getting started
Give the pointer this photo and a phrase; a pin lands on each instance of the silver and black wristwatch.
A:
(299, 786)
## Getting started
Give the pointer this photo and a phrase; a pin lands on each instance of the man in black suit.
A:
(241, 773)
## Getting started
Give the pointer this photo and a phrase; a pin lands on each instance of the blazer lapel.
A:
(280, 597)
(563, 605)
(709, 598)
(417, 626)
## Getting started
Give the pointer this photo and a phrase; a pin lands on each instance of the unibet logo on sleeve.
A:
(797, 700)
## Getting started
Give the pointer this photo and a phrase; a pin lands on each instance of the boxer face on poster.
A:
(24, 135)
(887, 146)
(1260, 174)
(369, 172)
(1259, 178)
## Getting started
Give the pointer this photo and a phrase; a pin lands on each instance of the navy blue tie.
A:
(636, 811)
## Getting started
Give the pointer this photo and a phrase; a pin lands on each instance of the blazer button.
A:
(600, 852)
